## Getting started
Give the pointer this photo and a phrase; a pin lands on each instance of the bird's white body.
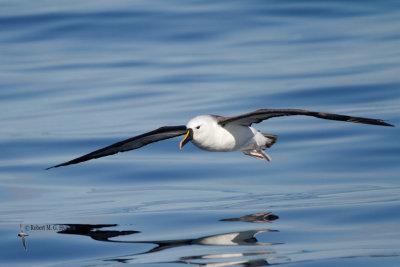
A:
(211, 136)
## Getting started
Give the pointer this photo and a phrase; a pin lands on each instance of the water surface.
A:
(77, 76)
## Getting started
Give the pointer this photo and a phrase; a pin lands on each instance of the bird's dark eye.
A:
(198, 127)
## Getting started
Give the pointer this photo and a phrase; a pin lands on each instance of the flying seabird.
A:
(22, 235)
(217, 133)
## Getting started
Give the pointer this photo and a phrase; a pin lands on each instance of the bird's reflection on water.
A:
(241, 238)
(255, 218)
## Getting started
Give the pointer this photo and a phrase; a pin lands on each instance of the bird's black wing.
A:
(131, 143)
(264, 114)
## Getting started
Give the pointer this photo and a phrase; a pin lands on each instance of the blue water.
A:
(76, 76)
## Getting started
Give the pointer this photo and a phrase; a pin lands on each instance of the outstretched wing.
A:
(23, 242)
(131, 143)
(264, 114)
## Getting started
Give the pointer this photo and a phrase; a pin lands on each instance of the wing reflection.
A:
(91, 231)
(242, 240)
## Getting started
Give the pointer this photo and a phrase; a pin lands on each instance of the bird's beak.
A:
(188, 137)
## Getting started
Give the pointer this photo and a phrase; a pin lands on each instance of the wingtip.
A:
(55, 166)
(384, 123)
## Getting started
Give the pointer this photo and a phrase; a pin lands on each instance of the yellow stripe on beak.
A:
(188, 137)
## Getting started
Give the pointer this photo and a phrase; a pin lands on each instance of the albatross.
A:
(218, 133)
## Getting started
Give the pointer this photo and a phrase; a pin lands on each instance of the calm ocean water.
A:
(76, 76)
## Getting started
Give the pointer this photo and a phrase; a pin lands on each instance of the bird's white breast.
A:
(231, 137)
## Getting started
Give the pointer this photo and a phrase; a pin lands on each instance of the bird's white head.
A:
(199, 129)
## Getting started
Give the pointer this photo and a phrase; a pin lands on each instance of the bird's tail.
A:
(271, 139)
